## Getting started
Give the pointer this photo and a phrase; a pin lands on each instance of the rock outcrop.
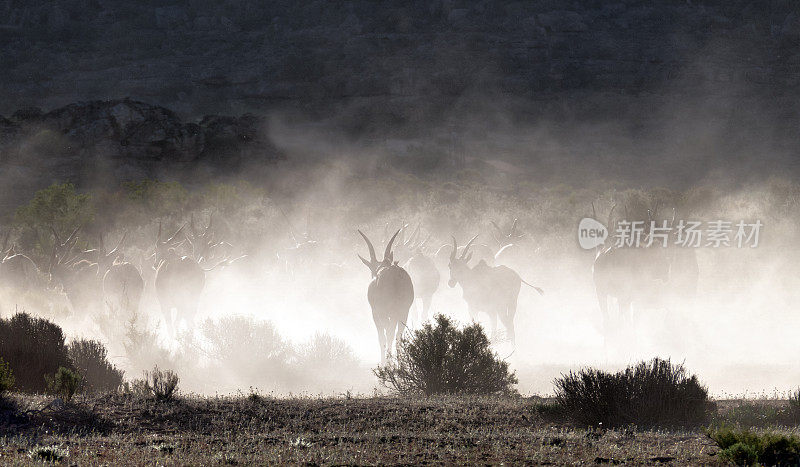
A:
(105, 142)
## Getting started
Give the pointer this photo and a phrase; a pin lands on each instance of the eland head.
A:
(373, 264)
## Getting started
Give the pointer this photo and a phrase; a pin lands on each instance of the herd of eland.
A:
(108, 287)
(174, 269)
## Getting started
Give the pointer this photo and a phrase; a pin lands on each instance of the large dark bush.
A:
(34, 348)
(442, 359)
(654, 393)
(90, 358)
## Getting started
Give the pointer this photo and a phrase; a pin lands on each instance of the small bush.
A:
(245, 345)
(162, 384)
(740, 454)
(325, 362)
(655, 393)
(90, 358)
(33, 348)
(442, 359)
(745, 447)
(48, 453)
(6, 377)
(65, 383)
(248, 351)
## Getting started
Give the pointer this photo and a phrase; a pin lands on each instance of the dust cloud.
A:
(290, 314)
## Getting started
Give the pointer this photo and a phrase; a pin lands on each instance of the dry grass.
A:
(125, 430)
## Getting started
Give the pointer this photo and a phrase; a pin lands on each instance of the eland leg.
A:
(426, 306)
(508, 320)
(169, 318)
(401, 329)
(390, 335)
(493, 318)
(380, 327)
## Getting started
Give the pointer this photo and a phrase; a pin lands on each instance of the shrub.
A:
(65, 383)
(6, 377)
(655, 393)
(757, 413)
(33, 348)
(90, 358)
(326, 363)
(740, 454)
(243, 345)
(161, 384)
(326, 357)
(745, 447)
(442, 359)
(53, 453)
(324, 350)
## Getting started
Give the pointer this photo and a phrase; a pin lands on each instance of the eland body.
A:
(390, 295)
(493, 290)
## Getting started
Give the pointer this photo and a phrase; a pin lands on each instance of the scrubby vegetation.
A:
(243, 351)
(33, 348)
(450, 364)
(53, 454)
(748, 414)
(654, 393)
(6, 377)
(744, 447)
(794, 402)
(246, 346)
(161, 384)
(442, 359)
(90, 358)
(34, 351)
(252, 353)
(451, 430)
(65, 383)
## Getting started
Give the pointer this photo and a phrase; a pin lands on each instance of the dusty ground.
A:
(123, 430)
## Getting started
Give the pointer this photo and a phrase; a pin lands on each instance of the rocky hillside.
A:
(104, 142)
(390, 62)
(669, 92)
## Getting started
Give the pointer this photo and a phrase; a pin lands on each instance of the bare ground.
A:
(125, 430)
